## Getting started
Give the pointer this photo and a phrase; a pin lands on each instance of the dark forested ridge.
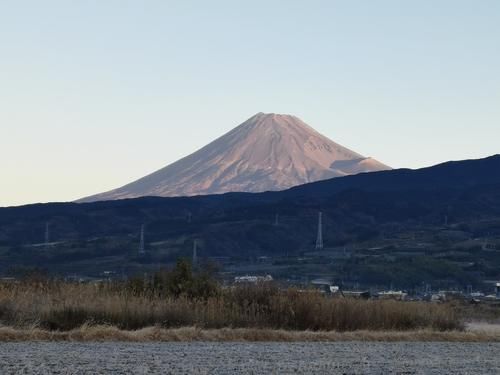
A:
(427, 212)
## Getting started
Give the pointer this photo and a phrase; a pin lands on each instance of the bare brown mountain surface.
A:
(268, 152)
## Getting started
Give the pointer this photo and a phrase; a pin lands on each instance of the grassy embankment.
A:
(179, 306)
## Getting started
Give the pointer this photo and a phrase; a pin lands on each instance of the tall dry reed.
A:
(66, 306)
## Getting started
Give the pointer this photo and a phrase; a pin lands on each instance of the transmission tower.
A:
(319, 239)
(142, 250)
(47, 234)
(195, 255)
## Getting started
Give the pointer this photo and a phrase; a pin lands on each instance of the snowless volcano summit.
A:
(267, 152)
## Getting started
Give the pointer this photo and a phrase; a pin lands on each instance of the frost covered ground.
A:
(250, 358)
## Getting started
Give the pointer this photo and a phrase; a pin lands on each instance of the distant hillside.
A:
(444, 214)
(453, 174)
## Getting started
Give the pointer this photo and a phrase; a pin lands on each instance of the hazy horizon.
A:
(95, 95)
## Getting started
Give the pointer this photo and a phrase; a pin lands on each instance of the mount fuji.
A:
(267, 152)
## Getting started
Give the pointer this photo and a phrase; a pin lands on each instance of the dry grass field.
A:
(60, 306)
(179, 305)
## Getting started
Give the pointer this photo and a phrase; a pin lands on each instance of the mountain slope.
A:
(267, 152)
(449, 175)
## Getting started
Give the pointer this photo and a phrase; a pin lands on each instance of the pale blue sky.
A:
(94, 94)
